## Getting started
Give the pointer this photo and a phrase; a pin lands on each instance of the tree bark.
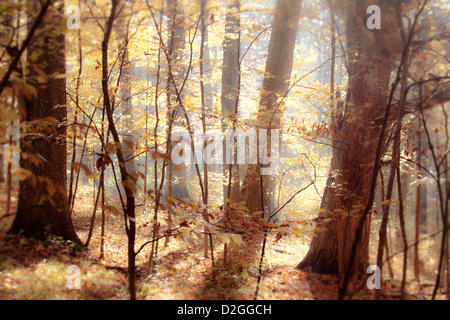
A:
(42, 205)
(230, 94)
(370, 57)
(2, 164)
(125, 101)
(128, 184)
(423, 198)
(259, 191)
(176, 174)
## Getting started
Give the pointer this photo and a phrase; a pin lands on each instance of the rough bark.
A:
(42, 205)
(6, 35)
(370, 57)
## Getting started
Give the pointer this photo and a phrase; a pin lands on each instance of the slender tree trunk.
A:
(405, 240)
(126, 106)
(128, 184)
(157, 189)
(395, 164)
(9, 185)
(206, 101)
(72, 189)
(259, 191)
(423, 208)
(5, 37)
(176, 175)
(230, 95)
(418, 208)
(2, 164)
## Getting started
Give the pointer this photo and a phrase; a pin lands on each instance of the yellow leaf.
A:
(29, 91)
(52, 121)
(169, 268)
(22, 173)
(170, 199)
(76, 166)
(113, 210)
(236, 239)
(185, 231)
(33, 158)
(224, 237)
(193, 204)
(51, 189)
(110, 147)
(94, 176)
(129, 144)
(130, 184)
(149, 198)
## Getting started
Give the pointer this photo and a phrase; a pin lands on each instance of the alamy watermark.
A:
(73, 277)
(374, 21)
(374, 281)
(73, 13)
(217, 147)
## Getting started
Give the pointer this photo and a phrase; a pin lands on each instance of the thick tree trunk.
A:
(42, 206)
(346, 192)
(275, 86)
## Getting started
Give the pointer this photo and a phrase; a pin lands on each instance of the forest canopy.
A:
(224, 149)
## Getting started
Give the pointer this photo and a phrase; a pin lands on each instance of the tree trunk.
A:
(176, 174)
(230, 94)
(2, 163)
(42, 205)
(275, 86)
(370, 57)
(128, 184)
(125, 101)
(423, 207)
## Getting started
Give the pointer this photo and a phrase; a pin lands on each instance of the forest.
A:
(224, 150)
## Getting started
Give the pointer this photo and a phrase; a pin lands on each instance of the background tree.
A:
(274, 90)
(176, 174)
(230, 93)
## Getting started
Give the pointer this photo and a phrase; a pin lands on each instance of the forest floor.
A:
(31, 269)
